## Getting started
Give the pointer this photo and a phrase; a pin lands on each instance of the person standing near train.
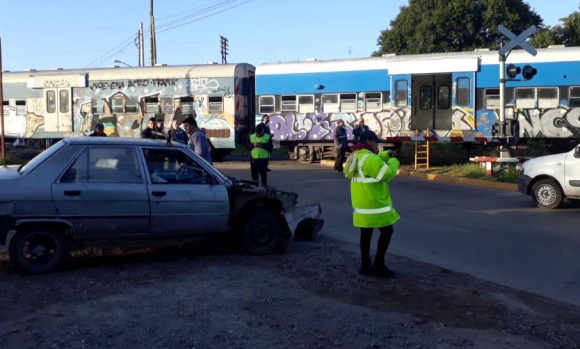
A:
(259, 154)
(371, 200)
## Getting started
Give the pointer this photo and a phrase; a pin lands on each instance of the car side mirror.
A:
(577, 152)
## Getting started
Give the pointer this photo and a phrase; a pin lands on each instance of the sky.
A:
(70, 34)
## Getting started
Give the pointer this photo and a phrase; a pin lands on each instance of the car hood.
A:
(9, 172)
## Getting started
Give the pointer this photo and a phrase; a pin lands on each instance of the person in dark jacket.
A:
(177, 134)
(340, 145)
(99, 131)
(151, 130)
(270, 145)
(360, 128)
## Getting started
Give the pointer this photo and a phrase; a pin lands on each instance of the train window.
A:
(187, 106)
(401, 87)
(216, 104)
(574, 99)
(152, 105)
(97, 106)
(63, 101)
(21, 107)
(444, 97)
(373, 101)
(117, 104)
(167, 105)
(330, 103)
(50, 102)
(425, 98)
(525, 97)
(347, 102)
(132, 105)
(288, 103)
(6, 107)
(463, 91)
(491, 97)
(306, 104)
(267, 105)
(547, 97)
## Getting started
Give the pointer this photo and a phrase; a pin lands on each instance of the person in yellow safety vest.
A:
(260, 154)
(371, 200)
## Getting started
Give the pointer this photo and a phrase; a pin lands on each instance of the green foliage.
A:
(12, 158)
(426, 26)
(507, 173)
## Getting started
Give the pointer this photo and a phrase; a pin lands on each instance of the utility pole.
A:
(224, 49)
(141, 48)
(153, 39)
(2, 109)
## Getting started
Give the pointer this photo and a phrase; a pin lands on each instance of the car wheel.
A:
(261, 232)
(547, 194)
(38, 250)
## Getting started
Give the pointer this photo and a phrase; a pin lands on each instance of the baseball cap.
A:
(100, 125)
(368, 136)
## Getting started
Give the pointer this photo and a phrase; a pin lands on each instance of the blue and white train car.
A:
(61, 103)
(449, 96)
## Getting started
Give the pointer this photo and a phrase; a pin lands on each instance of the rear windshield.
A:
(40, 158)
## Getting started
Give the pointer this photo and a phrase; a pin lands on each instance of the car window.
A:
(106, 165)
(174, 166)
(40, 158)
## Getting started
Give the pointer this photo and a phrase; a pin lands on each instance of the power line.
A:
(189, 18)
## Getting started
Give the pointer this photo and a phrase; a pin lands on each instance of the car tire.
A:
(546, 193)
(38, 250)
(261, 233)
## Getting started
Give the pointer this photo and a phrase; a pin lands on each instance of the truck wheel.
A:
(547, 194)
(261, 232)
(38, 250)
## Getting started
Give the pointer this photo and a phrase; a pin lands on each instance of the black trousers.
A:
(366, 235)
(259, 167)
(340, 158)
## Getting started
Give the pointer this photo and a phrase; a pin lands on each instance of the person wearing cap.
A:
(259, 154)
(371, 200)
(99, 131)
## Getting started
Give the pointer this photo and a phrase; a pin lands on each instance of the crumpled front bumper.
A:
(524, 183)
(304, 221)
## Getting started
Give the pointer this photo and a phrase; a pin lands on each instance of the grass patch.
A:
(12, 158)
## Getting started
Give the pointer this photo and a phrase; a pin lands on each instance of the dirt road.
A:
(309, 298)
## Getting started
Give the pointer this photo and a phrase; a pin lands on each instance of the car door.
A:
(572, 172)
(183, 194)
(104, 194)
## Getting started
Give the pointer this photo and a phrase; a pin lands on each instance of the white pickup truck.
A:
(551, 178)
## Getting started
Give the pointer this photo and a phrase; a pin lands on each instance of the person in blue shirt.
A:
(197, 140)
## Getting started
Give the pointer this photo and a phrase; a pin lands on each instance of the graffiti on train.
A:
(389, 123)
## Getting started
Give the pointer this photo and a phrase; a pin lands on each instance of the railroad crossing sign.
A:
(517, 40)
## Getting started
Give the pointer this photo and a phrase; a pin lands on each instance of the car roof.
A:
(120, 141)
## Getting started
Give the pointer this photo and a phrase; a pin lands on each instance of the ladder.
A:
(422, 152)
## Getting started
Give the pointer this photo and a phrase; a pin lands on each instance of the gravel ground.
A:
(312, 297)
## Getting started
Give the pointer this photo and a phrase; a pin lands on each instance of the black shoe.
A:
(382, 271)
(268, 170)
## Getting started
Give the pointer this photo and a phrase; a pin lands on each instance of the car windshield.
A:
(221, 176)
(40, 158)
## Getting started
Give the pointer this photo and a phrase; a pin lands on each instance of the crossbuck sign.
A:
(519, 40)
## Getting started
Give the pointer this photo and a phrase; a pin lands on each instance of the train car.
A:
(444, 96)
(65, 103)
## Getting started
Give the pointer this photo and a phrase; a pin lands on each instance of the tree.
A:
(569, 31)
(454, 25)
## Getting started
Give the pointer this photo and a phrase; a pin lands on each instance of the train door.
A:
(401, 90)
(463, 101)
(431, 107)
(58, 114)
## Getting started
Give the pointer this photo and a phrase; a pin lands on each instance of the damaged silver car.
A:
(89, 189)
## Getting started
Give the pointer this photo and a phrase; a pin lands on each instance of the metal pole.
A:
(152, 30)
(502, 59)
(2, 140)
(141, 48)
